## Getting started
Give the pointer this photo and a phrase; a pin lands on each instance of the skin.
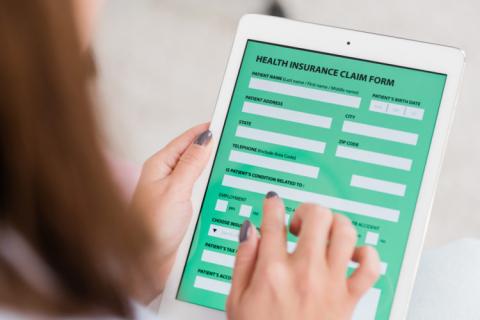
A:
(311, 282)
(268, 282)
(86, 13)
(165, 187)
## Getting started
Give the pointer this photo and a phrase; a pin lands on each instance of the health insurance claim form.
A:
(349, 134)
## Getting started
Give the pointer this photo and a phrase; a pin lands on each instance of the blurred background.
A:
(161, 64)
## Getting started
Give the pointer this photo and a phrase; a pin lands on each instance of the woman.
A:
(69, 244)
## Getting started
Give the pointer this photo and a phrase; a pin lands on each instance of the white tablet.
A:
(356, 122)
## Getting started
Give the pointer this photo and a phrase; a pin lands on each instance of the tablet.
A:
(353, 121)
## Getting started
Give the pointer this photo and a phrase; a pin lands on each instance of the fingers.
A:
(273, 231)
(343, 238)
(311, 223)
(192, 161)
(162, 163)
(245, 260)
(367, 272)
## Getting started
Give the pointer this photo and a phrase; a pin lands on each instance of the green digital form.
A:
(349, 134)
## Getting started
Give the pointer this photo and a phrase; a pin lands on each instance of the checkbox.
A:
(221, 205)
(371, 238)
(245, 210)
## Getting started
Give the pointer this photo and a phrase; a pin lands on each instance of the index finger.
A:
(273, 242)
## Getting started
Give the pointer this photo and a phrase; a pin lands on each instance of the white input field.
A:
(223, 233)
(280, 139)
(221, 205)
(305, 93)
(245, 211)
(287, 115)
(366, 308)
(212, 285)
(218, 258)
(377, 158)
(378, 185)
(371, 238)
(334, 203)
(380, 133)
(274, 164)
(398, 110)
(228, 261)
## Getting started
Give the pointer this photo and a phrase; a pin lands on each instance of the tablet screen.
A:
(352, 135)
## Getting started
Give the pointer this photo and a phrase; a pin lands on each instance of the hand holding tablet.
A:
(165, 186)
(352, 121)
(269, 283)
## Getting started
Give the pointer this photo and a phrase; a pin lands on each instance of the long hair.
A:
(55, 187)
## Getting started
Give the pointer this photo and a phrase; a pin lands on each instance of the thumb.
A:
(162, 163)
(244, 262)
(193, 161)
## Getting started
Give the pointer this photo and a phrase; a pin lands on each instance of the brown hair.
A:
(55, 187)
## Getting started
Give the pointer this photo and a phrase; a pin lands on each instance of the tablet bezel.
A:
(349, 43)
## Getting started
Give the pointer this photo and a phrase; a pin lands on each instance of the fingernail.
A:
(244, 231)
(271, 194)
(203, 138)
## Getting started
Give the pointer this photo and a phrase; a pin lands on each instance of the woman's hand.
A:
(311, 283)
(164, 193)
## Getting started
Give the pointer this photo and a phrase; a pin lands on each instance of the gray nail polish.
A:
(271, 194)
(203, 138)
(243, 235)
